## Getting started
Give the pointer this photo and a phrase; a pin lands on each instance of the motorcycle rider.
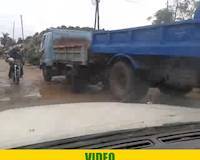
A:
(16, 55)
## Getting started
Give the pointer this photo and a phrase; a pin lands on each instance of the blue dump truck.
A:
(127, 61)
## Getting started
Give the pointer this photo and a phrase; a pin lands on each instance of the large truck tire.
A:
(77, 82)
(124, 84)
(76, 85)
(47, 73)
(180, 92)
(105, 81)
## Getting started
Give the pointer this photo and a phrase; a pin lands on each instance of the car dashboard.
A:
(165, 137)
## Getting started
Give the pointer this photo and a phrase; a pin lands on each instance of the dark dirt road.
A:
(33, 91)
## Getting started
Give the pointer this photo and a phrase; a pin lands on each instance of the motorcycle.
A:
(15, 70)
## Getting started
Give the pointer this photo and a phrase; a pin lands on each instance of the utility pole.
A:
(97, 17)
(21, 18)
(167, 4)
(13, 30)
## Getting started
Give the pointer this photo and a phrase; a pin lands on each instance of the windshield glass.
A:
(97, 63)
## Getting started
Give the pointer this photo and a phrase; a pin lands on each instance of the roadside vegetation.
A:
(175, 10)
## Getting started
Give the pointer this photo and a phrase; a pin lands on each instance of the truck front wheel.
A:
(47, 75)
(124, 84)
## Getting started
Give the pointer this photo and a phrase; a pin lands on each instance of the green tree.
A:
(162, 16)
(6, 41)
(183, 9)
(175, 11)
(19, 41)
(31, 48)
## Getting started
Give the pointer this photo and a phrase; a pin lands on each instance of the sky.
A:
(41, 14)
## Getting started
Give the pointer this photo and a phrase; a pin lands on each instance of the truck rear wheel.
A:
(47, 75)
(77, 80)
(124, 84)
(76, 84)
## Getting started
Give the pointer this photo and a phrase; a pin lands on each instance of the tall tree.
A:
(183, 9)
(4, 38)
(162, 16)
(6, 41)
(176, 10)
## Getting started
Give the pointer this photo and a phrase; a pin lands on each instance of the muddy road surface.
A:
(34, 91)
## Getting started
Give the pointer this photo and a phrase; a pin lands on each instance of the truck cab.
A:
(62, 49)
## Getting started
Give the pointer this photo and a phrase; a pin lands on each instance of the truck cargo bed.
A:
(178, 39)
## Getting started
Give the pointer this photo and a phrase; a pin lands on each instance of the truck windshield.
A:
(42, 42)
